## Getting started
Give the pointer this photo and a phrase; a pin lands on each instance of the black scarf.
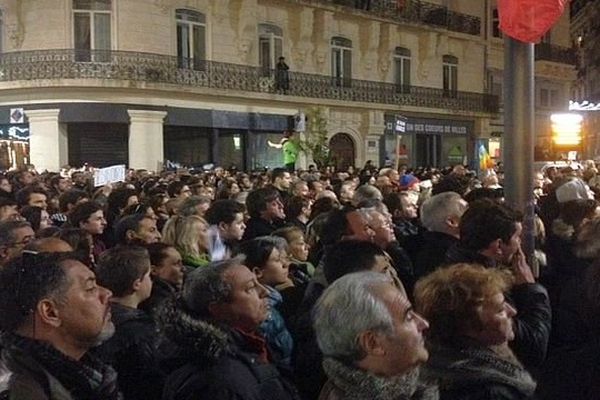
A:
(86, 379)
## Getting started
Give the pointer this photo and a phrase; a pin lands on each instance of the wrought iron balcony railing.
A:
(415, 11)
(554, 53)
(156, 68)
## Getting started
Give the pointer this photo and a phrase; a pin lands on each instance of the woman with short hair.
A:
(470, 327)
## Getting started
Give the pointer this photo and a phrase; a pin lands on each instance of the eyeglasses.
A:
(24, 242)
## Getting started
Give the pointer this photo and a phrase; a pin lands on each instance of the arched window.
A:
(270, 46)
(92, 30)
(450, 72)
(191, 39)
(402, 69)
(341, 61)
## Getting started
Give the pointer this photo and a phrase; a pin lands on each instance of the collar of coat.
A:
(468, 365)
(359, 384)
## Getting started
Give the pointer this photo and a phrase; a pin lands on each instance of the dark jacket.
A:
(403, 266)
(132, 352)
(275, 330)
(221, 363)
(471, 372)
(258, 227)
(534, 317)
(33, 370)
(161, 291)
(572, 370)
(433, 253)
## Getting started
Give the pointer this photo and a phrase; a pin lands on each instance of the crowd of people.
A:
(316, 284)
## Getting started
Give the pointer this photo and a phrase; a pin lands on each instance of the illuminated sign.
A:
(583, 106)
(566, 129)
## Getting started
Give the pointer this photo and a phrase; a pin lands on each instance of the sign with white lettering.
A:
(104, 176)
(431, 126)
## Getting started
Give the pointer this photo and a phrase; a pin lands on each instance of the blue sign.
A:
(14, 132)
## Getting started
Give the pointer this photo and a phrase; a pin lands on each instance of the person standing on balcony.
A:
(282, 77)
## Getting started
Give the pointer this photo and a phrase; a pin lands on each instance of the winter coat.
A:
(433, 253)
(572, 370)
(132, 351)
(161, 291)
(275, 331)
(258, 227)
(349, 383)
(221, 363)
(533, 321)
(472, 372)
(31, 370)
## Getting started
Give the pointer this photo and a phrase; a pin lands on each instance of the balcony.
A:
(558, 54)
(420, 12)
(162, 69)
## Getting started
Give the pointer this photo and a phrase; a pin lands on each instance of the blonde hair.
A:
(183, 234)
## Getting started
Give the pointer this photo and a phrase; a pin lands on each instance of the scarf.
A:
(357, 384)
(471, 365)
(86, 379)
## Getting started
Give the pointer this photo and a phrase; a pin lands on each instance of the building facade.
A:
(585, 31)
(197, 81)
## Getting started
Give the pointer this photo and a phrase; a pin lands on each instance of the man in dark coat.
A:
(214, 323)
(52, 314)
(440, 215)
(266, 212)
(490, 236)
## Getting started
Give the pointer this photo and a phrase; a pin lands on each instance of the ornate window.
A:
(191, 39)
(450, 72)
(402, 69)
(341, 61)
(270, 46)
(92, 30)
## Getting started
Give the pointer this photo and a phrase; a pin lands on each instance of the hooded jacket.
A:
(220, 362)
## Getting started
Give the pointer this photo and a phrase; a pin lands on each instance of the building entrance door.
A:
(342, 151)
(429, 150)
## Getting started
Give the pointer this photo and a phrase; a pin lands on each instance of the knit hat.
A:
(407, 181)
(573, 190)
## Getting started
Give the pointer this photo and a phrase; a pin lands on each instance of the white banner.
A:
(107, 175)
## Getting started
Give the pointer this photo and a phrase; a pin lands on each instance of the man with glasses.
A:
(14, 235)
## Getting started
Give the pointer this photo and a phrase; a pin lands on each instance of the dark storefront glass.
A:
(187, 146)
(98, 144)
(231, 149)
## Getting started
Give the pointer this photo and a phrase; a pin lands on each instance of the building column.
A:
(48, 140)
(146, 150)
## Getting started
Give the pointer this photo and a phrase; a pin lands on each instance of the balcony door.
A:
(92, 30)
(191, 39)
(341, 61)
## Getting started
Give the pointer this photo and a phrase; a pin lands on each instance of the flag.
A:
(529, 20)
(485, 161)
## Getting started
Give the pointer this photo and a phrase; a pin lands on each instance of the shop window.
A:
(92, 30)
(187, 146)
(191, 39)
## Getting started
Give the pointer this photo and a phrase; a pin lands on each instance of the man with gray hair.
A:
(440, 215)
(214, 323)
(371, 339)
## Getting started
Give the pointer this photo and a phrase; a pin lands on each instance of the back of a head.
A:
(256, 251)
(484, 193)
(49, 245)
(70, 197)
(436, 210)
(336, 226)
(125, 224)
(189, 205)
(452, 183)
(349, 256)
(366, 192)
(485, 221)
(120, 266)
(24, 282)
(347, 308)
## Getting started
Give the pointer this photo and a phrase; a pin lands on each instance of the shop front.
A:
(421, 142)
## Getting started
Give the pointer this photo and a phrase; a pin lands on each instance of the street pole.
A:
(519, 134)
